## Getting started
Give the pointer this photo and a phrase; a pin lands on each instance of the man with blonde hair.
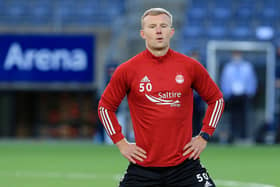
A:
(159, 85)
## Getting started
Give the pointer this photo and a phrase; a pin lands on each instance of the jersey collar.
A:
(158, 58)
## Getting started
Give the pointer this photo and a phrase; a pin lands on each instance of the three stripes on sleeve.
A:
(217, 113)
(107, 122)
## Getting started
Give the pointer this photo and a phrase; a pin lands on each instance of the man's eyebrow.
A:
(152, 24)
(157, 24)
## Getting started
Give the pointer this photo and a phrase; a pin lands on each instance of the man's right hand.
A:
(131, 151)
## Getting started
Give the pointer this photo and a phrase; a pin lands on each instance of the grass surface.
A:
(82, 164)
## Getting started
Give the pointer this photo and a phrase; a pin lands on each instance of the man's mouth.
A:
(159, 39)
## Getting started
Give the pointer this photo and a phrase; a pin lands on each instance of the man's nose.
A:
(158, 30)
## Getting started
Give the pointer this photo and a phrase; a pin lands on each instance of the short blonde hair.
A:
(155, 12)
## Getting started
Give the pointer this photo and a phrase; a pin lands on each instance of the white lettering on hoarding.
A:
(45, 59)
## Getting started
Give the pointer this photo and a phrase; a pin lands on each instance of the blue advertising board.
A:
(47, 59)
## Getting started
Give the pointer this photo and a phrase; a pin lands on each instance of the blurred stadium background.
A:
(57, 56)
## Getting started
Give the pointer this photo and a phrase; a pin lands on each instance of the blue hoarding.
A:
(47, 59)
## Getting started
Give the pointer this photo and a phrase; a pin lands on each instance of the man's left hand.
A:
(195, 146)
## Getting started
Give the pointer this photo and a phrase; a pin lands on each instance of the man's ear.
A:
(142, 34)
(172, 32)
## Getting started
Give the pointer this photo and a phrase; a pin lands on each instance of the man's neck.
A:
(158, 52)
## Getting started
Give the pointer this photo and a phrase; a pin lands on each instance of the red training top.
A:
(160, 98)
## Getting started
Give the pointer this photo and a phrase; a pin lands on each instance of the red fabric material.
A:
(160, 98)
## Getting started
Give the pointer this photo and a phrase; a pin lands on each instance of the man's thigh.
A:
(137, 176)
(189, 174)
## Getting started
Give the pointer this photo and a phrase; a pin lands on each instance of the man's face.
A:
(157, 31)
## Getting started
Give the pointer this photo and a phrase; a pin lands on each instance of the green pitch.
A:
(82, 164)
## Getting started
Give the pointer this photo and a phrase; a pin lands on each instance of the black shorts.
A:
(190, 173)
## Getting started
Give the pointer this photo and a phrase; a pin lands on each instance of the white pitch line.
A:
(230, 183)
(93, 176)
(32, 174)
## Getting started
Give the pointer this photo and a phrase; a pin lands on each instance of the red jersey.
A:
(160, 97)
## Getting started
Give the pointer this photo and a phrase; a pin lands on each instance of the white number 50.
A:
(200, 177)
(142, 87)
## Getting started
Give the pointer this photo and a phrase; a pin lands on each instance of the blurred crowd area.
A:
(116, 25)
(55, 114)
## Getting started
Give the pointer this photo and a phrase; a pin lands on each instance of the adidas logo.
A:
(207, 184)
(145, 79)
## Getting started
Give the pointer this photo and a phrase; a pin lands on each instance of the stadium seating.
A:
(53, 12)
(39, 12)
(12, 12)
(230, 20)
(217, 32)
(200, 19)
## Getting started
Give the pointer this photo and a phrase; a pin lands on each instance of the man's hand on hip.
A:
(195, 146)
(131, 151)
